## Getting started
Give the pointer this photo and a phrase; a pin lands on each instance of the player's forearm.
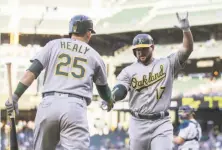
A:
(188, 41)
(30, 75)
(24, 83)
(187, 46)
(104, 92)
(28, 78)
(178, 140)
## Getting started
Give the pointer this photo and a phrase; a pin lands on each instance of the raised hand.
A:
(183, 23)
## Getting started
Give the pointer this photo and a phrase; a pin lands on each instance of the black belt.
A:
(60, 93)
(150, 116)
(196, 139)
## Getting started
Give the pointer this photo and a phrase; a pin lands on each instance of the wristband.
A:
(21, 88)
(186, 30)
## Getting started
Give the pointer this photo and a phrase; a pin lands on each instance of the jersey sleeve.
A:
(175, 63)
(43, 55)
(100, 76)
(124, 79)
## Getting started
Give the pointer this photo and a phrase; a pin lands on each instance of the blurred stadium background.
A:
(27, 25)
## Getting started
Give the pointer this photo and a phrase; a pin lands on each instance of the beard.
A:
(145, 59)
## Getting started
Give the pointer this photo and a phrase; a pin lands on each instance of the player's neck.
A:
(148, 62)
(79, 38)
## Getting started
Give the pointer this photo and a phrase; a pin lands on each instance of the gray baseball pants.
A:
(150, 135)
(61, 118)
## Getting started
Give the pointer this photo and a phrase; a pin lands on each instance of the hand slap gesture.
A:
(107, 105)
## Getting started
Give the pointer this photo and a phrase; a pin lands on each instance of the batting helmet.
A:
(142, 40)
(80, 24)
(185, 111)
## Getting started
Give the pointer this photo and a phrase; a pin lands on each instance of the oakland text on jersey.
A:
(74, 47)
(148, 80)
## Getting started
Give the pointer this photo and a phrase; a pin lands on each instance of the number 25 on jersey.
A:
(66, 60)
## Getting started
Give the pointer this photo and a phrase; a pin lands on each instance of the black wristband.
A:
(21, 88)
(119, 92)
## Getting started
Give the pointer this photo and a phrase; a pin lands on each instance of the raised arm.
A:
(187, 49)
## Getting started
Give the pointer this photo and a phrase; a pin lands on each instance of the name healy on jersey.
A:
(74, 47)
(148, 80)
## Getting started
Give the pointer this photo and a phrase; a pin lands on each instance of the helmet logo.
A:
(140, 41)
(74, 28)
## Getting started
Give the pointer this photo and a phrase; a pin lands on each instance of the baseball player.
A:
(189, 130)
(149, 82)
(71, 66)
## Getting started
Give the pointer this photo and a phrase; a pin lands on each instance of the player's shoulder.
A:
(194, 122)
(167, 56)
(184, 124)
(130, 67)
(94, 54)
(55, 40)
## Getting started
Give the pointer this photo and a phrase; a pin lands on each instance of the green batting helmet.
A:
(80, 24)
(142, 40)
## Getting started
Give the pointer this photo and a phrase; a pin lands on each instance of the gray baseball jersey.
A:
(71, 67)
(190, 131)
(150, 86)
(150, 89)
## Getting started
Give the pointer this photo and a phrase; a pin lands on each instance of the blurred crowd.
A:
(107, 139)
(24, 135)
(212, 139)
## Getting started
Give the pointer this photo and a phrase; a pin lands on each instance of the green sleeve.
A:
(104, 92)
(20, 89)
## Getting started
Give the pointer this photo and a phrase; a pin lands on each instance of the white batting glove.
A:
(107, 105)
(183, 23)
(10, 107)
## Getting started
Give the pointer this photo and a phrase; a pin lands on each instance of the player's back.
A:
(71, 67)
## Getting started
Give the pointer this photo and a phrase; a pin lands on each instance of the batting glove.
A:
(183, 23)
(112, 101)
(12, 106)
(110, 105)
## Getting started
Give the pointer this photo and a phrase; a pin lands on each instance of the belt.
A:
(61, 94)
(196, 139)
(154, 116)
